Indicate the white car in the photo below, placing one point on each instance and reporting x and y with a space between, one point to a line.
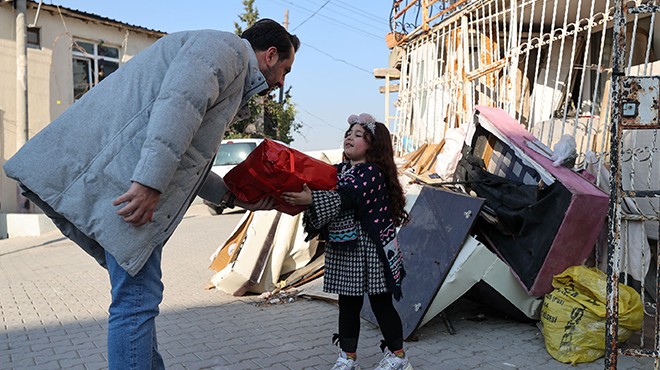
231 153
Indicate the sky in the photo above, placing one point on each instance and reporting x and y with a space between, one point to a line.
332 76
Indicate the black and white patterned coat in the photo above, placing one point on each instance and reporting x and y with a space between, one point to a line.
356 222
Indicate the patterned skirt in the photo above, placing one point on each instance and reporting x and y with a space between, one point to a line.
354 271
348 271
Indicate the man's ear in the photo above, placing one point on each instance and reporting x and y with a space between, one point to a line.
271 56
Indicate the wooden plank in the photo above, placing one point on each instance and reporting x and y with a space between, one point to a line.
413 157
393 73
309 278
302 274
428 156
392 88
430 165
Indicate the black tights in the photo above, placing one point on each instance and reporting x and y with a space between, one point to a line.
386 315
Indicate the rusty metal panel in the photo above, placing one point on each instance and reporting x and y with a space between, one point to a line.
639 101
634 108
614 220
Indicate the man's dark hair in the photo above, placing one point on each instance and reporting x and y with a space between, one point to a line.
266 33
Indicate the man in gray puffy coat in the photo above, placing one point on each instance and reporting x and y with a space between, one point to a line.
117 171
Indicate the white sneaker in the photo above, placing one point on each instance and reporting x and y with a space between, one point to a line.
392 362
345 363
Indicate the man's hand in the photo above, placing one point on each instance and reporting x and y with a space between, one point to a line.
265 204
141 201
303 198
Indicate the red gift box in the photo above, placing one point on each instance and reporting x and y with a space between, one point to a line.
272 168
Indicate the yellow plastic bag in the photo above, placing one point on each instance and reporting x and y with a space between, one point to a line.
573 315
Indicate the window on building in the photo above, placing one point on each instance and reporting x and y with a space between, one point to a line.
92 62
34 37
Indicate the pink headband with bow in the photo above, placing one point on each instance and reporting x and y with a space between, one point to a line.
365 119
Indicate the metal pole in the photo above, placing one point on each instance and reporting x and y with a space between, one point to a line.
286 27
387 102
285 24
613 237
21 90
21 74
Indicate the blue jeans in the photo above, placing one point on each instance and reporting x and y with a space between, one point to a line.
132 340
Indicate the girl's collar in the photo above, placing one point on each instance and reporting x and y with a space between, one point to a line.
348 166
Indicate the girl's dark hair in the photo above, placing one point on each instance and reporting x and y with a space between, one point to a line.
266 33
381 154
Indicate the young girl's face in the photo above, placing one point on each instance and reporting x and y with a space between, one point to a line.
355 145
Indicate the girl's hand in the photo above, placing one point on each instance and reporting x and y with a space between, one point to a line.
303 198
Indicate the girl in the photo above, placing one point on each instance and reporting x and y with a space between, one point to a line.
358 222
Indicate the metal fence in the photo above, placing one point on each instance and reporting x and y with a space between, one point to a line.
560 67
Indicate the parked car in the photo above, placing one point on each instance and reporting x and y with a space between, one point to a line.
231 153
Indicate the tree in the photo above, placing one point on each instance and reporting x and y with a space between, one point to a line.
279 118
268 117
250 17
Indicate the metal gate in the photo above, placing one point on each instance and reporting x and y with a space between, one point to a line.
635 168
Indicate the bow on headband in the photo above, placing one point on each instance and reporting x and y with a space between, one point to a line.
365 119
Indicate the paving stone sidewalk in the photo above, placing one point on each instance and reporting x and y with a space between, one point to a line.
54 298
